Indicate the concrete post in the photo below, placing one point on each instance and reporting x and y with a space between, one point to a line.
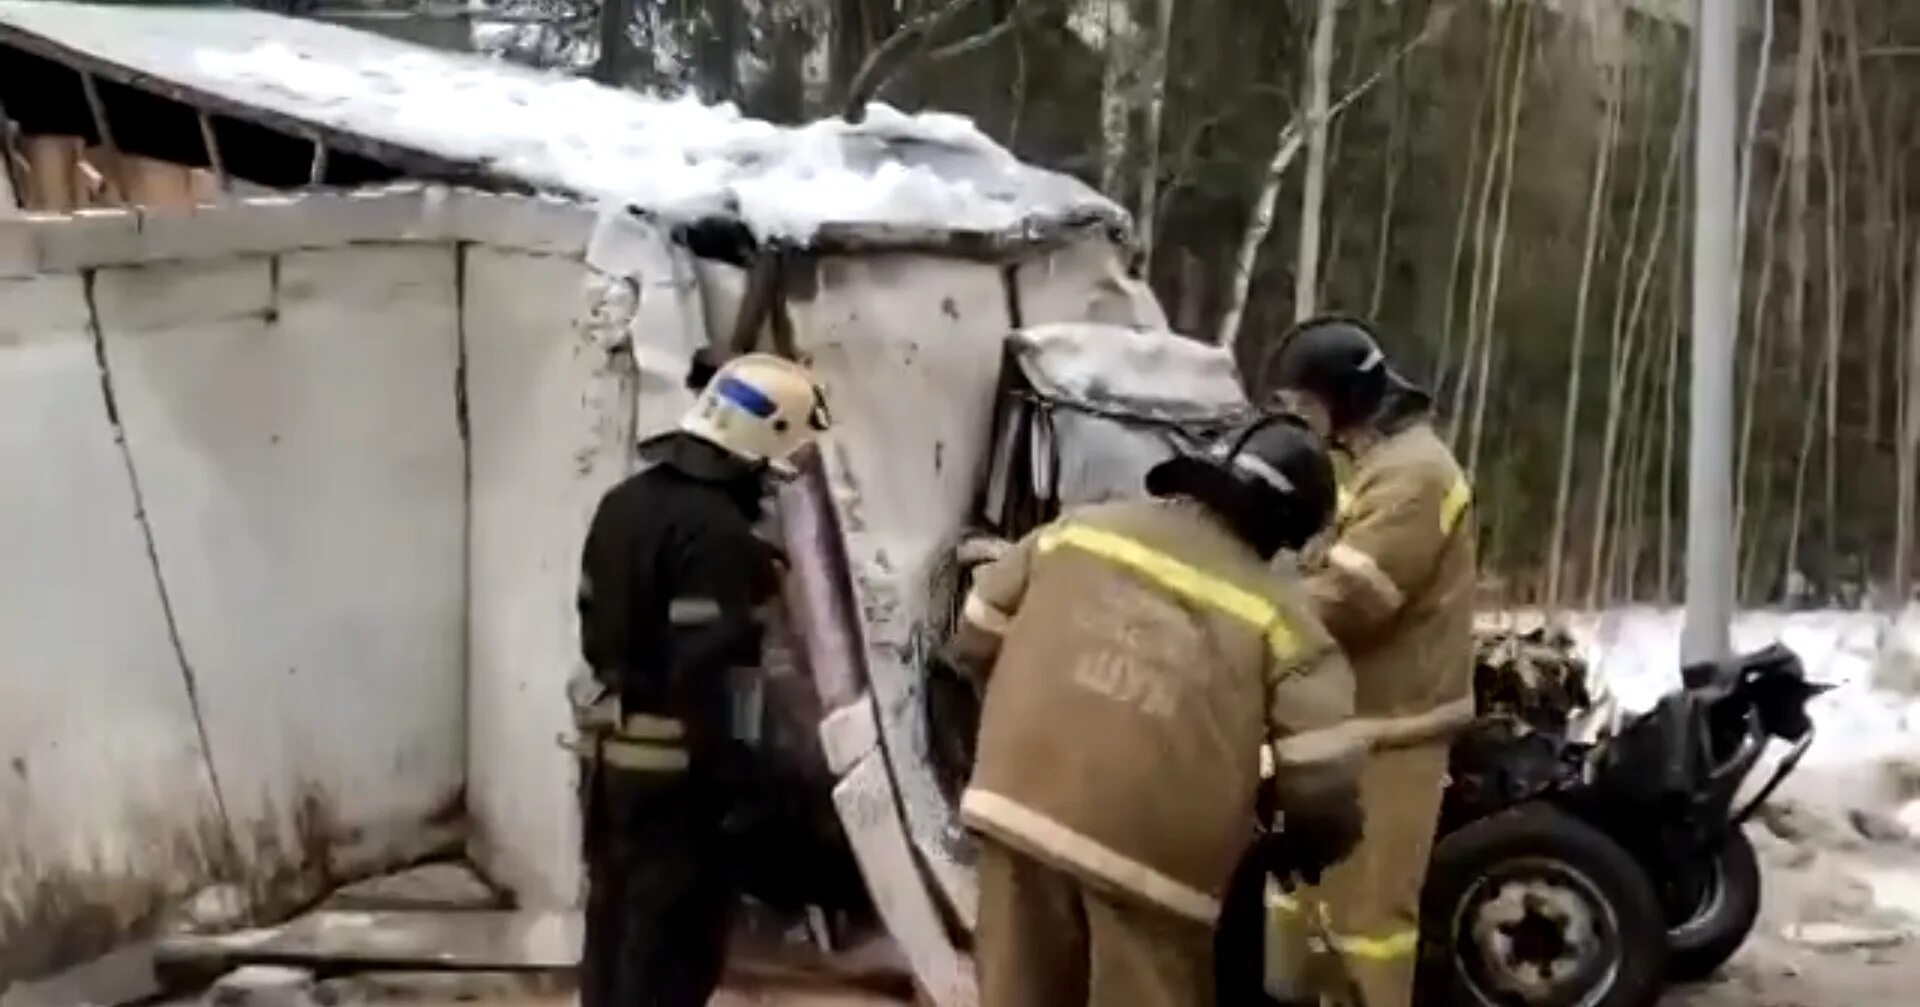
1710 437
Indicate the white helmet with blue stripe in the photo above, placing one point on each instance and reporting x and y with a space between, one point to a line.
759 408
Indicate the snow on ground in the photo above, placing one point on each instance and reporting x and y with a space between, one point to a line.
676 157
1872 659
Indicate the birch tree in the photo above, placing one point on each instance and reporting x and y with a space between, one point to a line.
1306 276
1909 449
1147 214
1516 102
1603 156
1292 138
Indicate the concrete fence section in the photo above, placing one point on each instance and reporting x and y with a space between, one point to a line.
292 425
107 809
236 611
292 492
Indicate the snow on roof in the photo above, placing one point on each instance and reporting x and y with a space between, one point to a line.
1156 375
676 158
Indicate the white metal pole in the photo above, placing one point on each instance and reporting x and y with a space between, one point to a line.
1710 436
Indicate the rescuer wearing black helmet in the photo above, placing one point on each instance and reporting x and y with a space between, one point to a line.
1137 655
1395 587
1333 371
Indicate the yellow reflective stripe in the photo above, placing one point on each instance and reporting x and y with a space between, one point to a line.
1459 495
1181 578
637 756
1342 502
648 727
1399 944
641 757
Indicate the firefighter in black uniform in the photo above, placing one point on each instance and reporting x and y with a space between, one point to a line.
670 580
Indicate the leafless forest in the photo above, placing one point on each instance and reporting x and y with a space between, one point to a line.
1504 184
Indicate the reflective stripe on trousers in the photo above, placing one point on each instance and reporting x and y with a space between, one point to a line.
1391 944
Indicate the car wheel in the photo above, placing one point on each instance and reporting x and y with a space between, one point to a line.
1533 908
1725 905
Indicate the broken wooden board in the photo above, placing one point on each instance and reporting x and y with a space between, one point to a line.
332 943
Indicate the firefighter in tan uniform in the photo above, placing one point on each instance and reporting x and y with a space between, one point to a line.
1141 654
1395 587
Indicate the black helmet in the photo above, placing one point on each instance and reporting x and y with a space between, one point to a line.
1271 480
1340 362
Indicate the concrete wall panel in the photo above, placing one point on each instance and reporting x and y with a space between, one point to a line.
550 391
105 805
292 424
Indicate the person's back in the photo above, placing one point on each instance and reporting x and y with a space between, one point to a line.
1140 672
670 577
665 550
1140 654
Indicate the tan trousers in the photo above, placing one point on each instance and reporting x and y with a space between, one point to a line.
1369 904
1046 940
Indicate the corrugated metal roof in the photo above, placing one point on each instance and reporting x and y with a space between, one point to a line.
467 117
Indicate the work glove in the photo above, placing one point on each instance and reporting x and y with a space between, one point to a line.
1317 822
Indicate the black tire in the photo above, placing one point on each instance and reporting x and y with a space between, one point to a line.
1577 904
1728 907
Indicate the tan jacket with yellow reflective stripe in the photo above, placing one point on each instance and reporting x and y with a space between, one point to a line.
1144 653
1396 586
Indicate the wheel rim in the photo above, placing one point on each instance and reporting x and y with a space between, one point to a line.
1536 933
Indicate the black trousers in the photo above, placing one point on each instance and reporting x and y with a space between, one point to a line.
660 897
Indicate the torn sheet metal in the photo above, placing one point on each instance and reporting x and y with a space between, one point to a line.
868 806
909 350
1149 374
1086 281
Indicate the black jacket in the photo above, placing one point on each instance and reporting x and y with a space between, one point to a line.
670 579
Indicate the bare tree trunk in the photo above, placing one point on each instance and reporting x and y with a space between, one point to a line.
1603 155
1626 332
1800 157
1757 361
1342 200
1292 138
1747 149
901 48
1476 285
616 16
1150 141
1516 103
1836 212
1909 450
1396 160
1798 514
1639 458
1879 200
1116 94
1664 581
1306 274
1489 86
